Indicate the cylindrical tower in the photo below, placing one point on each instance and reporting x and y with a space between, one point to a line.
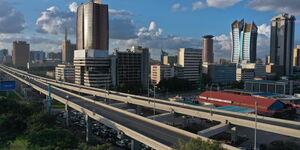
92 26
208 52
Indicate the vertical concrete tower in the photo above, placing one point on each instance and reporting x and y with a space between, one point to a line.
92 26
91 60
208 49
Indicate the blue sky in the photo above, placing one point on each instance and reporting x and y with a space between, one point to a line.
167 24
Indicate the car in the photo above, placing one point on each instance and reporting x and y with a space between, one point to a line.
121 143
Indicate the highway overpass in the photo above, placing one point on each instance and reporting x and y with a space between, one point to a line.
279 126
152 133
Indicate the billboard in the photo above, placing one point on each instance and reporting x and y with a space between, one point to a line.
7 85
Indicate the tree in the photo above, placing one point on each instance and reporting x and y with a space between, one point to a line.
84 146
40 121
11 126
238 85
197 144
52 139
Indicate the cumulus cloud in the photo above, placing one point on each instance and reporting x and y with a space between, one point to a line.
153 38
264 30
11 20
73 7
280 6
198 5
221 3
53 21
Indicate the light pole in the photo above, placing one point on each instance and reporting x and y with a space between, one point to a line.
256 107
154 103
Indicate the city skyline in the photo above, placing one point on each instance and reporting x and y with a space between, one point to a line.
156 29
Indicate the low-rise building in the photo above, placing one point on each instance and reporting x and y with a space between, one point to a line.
65 73
159 72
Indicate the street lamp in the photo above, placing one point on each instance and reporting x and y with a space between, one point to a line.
256 107
154 103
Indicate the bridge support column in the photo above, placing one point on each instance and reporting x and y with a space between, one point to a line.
88 122
67 115
135 145
184 122
233 131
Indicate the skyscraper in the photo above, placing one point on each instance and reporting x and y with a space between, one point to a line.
282 42
92 26
244 39
67 50
208 49
91 60
20 53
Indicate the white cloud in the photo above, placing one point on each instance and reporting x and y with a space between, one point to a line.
121 13
264 30
176 6
73 7
279 6
221 3
152 26
11 20
53 21
198 5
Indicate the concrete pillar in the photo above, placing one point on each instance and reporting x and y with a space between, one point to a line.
233 131
67 115
88 122
184 122
135 145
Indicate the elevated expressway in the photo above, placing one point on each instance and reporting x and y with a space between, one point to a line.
279 126
152 133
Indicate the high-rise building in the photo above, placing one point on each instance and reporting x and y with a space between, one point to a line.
20 53
67 50
282 42
3 53
91 60
222 73
208 49
159 72
37 56
132 67
54 56
191 60
244 39
296 57
92 26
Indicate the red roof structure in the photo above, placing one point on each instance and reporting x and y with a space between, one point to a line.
225 99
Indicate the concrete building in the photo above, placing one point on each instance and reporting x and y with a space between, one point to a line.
269 86
92 26
159 72
3 53
67 50
244 39
222 73
20 53
191 60
91 59
169 60
133 67
296 56
7 60
65 73
164 57
37 56
249 71
208 49
54 56
282 42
